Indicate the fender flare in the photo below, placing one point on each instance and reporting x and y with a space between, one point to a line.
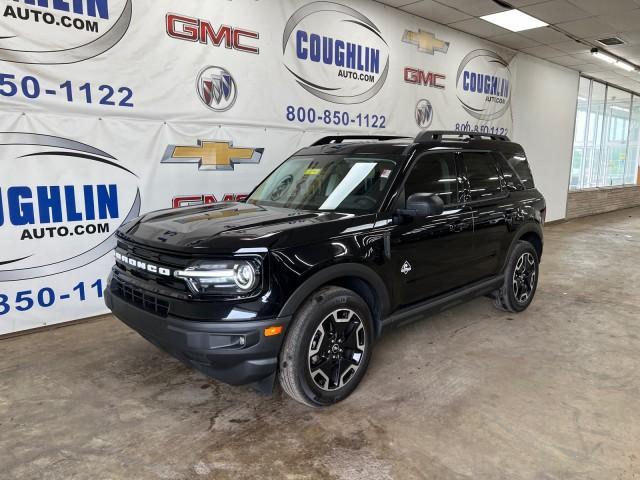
334 272
529 227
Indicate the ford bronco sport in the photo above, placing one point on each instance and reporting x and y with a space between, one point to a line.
345 239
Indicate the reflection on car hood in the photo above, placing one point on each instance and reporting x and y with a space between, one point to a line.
228 227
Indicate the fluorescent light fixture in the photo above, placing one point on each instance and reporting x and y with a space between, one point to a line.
514 20
605 57
625 66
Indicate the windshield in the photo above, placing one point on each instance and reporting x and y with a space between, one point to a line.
327 182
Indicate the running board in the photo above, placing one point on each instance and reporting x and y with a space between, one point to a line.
438 304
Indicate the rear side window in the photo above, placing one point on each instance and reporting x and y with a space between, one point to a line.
434 173
519 164
482 174
511 179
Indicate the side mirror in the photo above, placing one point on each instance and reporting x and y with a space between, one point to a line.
423 205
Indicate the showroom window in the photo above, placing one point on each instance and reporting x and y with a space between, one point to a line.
606 144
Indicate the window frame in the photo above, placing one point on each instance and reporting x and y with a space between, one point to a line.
599 175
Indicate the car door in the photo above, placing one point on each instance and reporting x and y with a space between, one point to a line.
486 194
429 254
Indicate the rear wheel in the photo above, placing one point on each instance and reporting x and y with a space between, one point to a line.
327 348
521 279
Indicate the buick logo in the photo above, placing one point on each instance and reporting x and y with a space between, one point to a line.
217 89
424 113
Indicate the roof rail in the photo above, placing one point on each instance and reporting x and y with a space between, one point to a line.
341 138
434 135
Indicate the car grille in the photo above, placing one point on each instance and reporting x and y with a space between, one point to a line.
177 285
140 298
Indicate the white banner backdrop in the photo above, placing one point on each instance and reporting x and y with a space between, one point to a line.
111 108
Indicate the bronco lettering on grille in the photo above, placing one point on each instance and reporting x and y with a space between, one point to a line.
133 262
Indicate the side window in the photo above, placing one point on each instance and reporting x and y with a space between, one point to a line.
511 179
518 162
483 176
434 173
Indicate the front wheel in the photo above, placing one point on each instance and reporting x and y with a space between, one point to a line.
521 279
327 348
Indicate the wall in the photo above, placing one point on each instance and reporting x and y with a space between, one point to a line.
544 112
601 200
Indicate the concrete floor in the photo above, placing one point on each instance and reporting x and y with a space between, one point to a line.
553 393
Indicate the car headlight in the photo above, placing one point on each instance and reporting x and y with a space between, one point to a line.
222 276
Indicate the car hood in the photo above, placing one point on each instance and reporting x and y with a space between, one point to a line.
229 227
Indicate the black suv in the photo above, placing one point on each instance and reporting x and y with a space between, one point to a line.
343 240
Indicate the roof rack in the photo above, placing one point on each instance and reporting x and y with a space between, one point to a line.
341 138
434 135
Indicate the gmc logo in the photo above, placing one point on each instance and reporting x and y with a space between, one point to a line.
420 77
197 30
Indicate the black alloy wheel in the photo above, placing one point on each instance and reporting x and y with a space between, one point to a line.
336 349
524 277
327 347
520 279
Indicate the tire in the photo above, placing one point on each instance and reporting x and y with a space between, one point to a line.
520 279
317 367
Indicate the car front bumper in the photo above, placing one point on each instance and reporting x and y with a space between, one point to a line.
234 352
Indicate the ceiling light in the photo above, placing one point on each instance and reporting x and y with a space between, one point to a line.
514 20
625 66
605 57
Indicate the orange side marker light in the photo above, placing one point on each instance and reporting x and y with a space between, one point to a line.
273 331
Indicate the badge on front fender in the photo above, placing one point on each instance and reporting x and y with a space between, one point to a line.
406 268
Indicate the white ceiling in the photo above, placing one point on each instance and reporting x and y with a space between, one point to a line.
586 20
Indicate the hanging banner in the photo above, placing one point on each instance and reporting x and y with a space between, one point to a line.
113 108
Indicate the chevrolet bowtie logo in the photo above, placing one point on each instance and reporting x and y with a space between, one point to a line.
212 155
426 42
